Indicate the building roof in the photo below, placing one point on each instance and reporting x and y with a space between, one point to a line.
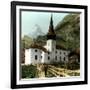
38 47
51 34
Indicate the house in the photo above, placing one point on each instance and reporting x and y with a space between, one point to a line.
51 52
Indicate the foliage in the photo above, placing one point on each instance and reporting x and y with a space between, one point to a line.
73 65
26 41
69 30
73 74
69 65
29 71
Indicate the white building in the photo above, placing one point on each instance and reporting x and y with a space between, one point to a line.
49 53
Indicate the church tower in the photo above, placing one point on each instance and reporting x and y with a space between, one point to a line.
51 37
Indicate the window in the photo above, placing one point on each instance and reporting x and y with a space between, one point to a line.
48 52
56 57
64 58
48 57
35 50
56 51
60 52
64 53
36 57
41 56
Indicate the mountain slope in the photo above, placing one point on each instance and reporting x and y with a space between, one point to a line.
67 33
69 30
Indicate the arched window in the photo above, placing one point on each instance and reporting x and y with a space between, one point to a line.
64 58
56 57
48 58
64 53
60 52
36 57
48 52
56 51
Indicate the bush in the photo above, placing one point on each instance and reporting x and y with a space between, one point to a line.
73 66
29 71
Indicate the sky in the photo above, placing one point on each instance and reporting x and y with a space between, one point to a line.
31 20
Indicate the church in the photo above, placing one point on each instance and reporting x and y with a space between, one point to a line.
49 53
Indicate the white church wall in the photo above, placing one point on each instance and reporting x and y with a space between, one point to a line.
51 45
42 57
32 56
52 56
62 55
57 55
27 57
35 55
45 58
49 57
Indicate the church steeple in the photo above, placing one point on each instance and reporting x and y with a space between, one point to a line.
51 34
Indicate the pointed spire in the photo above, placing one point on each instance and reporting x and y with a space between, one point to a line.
51 34
51 23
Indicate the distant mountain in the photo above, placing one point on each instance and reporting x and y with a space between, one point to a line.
36 31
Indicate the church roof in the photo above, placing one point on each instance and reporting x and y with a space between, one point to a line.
38 47
51 34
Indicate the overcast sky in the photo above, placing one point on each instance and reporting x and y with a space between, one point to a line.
31 19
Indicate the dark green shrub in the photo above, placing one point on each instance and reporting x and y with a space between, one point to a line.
73 66
29 71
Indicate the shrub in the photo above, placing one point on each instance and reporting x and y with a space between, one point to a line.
73 66
29 71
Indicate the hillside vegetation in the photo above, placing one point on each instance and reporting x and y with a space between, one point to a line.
67 31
